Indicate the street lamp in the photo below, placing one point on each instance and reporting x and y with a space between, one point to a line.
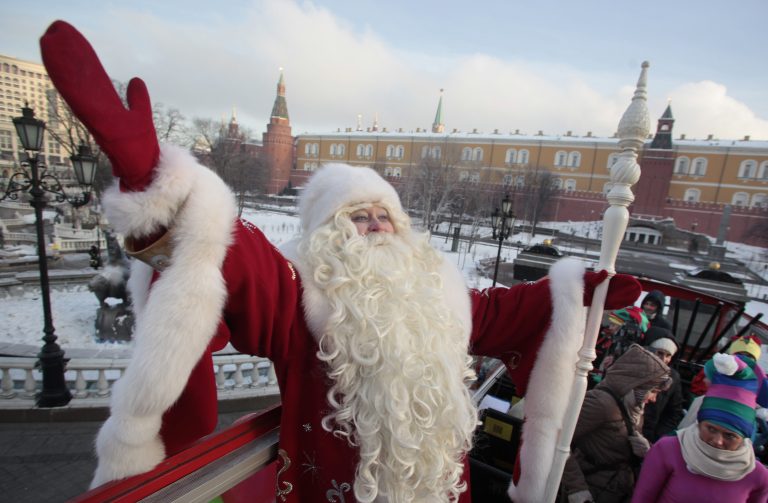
36 182
501 230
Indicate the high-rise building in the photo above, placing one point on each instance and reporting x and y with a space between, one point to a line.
21 83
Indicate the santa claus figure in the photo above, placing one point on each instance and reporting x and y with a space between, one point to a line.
370 330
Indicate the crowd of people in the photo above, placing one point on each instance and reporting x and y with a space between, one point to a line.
642 437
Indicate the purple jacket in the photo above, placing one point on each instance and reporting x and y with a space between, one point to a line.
665 479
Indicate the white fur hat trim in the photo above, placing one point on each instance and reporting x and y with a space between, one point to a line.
665 344
335 186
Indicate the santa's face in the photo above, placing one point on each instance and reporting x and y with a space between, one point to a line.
372 219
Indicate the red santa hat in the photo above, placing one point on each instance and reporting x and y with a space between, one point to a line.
335 186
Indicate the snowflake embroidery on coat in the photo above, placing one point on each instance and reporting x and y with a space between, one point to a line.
310 466
287 486
307 427
337 492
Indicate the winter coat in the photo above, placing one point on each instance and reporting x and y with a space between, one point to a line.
657 297
602 458
662 417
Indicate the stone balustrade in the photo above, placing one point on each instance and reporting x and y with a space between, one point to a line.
91 379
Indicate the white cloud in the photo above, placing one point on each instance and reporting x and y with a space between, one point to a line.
703 108
204 66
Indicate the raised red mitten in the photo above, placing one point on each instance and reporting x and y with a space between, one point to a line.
126 136
623 290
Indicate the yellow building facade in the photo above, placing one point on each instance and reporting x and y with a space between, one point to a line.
705 171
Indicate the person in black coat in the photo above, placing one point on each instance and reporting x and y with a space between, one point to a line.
653 305
662 417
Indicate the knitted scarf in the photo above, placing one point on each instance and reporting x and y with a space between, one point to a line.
703 459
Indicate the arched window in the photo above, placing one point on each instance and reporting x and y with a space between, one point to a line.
315 149
740 199
557 183
477 154
390 151
570 184
522 157
511 155
466 154
340 149
507 180
425 151
681 165
699 166
400 152
436 152
360 151
474 178
520 181
368 150
692 195
308 149
760 201
333 150
574 159
747 169
763 172
561 157
396 172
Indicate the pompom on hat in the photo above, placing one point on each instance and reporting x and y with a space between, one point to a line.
748 344
732 395
335 186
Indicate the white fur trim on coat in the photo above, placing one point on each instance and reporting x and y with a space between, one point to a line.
178 316
551 380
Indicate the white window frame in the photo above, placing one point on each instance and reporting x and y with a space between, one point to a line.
466 154
747 168
692 195
561 158
682 165
740 199
574 159
570 185
699 166
759 200
477 154
522 156
510 156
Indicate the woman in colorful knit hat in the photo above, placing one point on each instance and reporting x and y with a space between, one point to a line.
712 458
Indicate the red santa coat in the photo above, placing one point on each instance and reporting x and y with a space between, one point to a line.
224 282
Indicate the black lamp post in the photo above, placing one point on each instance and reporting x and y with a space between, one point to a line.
501 229
36 182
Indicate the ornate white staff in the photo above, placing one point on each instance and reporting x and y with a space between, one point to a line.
633 130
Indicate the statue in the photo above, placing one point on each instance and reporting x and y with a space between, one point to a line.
114 320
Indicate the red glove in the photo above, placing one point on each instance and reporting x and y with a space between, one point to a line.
126 136
623 290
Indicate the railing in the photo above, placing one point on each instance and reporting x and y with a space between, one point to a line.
92 378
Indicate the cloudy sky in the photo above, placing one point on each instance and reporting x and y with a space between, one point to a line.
554 66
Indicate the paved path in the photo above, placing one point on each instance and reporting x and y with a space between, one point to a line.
52 462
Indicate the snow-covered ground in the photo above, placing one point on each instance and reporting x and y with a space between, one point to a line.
74 310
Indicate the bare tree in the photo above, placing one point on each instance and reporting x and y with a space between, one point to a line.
537 193
228 152
170 125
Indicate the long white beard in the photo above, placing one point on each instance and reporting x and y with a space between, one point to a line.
398 359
